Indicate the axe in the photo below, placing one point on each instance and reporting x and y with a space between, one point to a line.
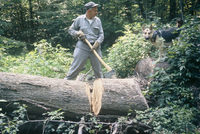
111 72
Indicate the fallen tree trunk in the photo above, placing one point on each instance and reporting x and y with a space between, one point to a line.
119 96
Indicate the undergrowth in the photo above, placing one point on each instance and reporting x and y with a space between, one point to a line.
44 60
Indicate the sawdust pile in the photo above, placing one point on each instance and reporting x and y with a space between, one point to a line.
94 93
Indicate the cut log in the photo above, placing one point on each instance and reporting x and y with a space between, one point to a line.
145 68
119 96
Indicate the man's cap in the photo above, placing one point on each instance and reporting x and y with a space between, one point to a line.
90 5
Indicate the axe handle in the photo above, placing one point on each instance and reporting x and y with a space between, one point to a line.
98 57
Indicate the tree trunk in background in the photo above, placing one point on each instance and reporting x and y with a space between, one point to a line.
18 18
192 8
22 17
181 8
119 96
153 2
197 5
141 7
128 5
31 26
172 13
31 13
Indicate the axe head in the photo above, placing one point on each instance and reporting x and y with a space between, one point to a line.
111 74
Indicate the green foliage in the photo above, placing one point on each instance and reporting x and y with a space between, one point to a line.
48 126
127 51
179 83
45 60
91 124
14 17
55 18
175 91
166 91
169 120
11 46
10 124
66 128
33 20
54 115
184 56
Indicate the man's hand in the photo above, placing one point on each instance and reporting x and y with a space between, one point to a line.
96 44
81 35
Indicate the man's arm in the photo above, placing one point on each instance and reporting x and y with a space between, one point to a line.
101 33
100 38
73 29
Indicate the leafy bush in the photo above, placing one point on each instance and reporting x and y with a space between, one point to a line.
10 124
168 120
178 83
176 89
12 46
184 57
127 51
45 60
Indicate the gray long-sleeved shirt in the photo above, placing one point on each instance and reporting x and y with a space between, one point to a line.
93 32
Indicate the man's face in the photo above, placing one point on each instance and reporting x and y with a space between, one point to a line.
94 11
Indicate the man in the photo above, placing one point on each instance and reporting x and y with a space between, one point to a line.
89 27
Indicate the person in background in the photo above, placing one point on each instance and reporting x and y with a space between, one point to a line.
87 26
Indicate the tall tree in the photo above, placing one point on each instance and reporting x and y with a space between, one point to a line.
128 6
172 13
141 7
181 8
153 2
31 13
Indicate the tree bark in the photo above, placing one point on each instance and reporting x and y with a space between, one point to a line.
153 2
31 13
141 7
181 8
172 13
119 96
128 5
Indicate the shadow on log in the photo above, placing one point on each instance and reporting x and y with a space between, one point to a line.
119 96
